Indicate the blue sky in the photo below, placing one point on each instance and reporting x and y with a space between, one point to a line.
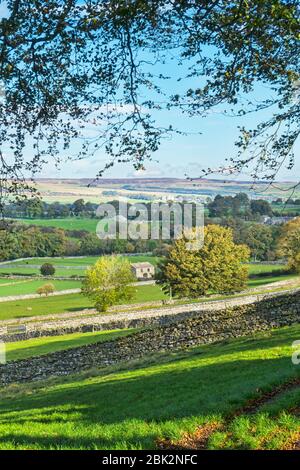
178 155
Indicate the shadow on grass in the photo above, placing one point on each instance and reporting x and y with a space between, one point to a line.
127 406
59 344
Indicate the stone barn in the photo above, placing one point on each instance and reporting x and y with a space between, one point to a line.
143 270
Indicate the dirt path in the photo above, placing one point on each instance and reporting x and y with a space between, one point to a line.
199 439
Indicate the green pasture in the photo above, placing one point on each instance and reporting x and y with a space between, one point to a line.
162 397
69 223
9 287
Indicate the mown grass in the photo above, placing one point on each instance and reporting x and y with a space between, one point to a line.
161 397
257 268
262 281
45 345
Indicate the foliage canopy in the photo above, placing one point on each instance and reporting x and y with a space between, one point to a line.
68 64
108 282
216 267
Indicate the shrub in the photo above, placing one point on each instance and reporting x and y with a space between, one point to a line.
47 269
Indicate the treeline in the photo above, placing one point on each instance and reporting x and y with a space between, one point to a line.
35 208
221 206
23 241
239 206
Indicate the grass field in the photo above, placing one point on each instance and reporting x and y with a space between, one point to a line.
40 346
9 287
286 209
67 303
70 223
257 269
162 397
76 302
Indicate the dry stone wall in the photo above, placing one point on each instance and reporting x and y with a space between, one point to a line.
201 328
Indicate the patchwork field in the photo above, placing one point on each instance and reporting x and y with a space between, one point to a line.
132 408
68 267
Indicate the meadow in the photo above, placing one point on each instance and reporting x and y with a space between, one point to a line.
162 397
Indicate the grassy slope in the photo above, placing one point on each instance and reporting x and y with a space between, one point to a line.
129 409
39 346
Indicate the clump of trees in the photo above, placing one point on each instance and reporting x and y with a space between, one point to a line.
239 206
47 269
216 267
289 244
109 282
46 289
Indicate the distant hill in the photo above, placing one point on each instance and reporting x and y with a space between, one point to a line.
150 188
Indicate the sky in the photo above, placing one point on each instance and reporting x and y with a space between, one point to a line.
209 142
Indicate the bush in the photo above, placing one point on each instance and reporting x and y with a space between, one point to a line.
46 289
47 269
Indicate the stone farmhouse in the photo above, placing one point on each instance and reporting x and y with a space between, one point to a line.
143 270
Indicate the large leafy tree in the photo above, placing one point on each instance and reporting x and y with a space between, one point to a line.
216 267
66 64
289 244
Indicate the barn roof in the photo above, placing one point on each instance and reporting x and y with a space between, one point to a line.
142 265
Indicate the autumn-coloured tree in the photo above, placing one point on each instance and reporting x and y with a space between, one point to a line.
216 267
289 244
46 289
109 282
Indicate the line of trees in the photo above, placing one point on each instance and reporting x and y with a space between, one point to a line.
239 205
25 241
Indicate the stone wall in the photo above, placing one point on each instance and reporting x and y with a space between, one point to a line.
203 327
88 321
